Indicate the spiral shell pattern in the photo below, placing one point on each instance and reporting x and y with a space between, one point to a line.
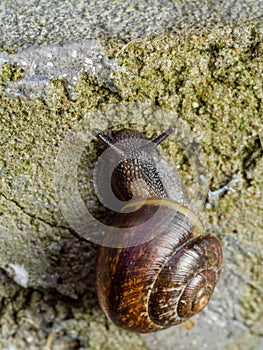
164 281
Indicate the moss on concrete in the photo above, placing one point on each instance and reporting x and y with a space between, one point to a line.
213 80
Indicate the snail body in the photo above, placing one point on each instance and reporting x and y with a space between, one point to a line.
146 286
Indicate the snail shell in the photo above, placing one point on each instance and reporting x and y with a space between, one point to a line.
150 286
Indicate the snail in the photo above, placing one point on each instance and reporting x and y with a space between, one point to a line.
151 284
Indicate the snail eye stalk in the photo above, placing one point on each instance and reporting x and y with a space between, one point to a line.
148 286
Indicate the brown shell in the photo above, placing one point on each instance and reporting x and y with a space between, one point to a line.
163 282
163 269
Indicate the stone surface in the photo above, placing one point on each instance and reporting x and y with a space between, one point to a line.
198 59
33 22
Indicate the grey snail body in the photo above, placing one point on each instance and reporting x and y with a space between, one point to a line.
150 286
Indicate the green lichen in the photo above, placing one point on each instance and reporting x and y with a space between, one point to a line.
213 80
10 73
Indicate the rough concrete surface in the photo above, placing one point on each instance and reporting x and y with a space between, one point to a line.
70 66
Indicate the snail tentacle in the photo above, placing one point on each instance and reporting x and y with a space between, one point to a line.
169 276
